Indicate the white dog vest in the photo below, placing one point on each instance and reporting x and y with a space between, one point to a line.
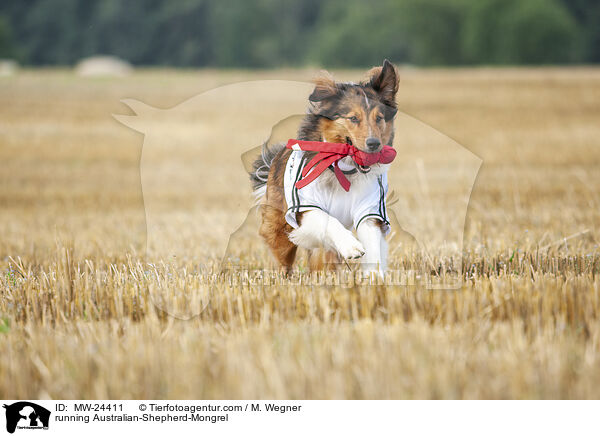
363 200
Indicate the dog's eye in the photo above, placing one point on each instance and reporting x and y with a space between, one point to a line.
378 119
355 120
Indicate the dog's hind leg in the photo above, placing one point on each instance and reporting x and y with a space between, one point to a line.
322 259
274 229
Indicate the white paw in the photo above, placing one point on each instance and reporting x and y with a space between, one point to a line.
349 247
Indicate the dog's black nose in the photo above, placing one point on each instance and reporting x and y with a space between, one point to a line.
373 144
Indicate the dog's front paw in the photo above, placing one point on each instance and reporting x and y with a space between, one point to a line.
349 247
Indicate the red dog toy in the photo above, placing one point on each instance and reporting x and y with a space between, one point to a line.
330 153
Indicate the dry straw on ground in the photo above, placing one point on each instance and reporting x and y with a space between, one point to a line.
80 302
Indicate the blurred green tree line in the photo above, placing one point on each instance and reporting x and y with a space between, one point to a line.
275 33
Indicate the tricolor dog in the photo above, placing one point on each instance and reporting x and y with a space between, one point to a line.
331 179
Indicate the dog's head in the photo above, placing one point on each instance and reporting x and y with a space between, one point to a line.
360 114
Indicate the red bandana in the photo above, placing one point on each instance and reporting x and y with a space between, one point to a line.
330 153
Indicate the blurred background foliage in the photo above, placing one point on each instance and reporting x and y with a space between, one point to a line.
279 33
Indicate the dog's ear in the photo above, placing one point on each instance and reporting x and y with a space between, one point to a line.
325 87
384 80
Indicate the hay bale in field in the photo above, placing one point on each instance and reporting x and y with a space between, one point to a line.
8 67
107 66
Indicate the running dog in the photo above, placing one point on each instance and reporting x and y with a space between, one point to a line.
319 211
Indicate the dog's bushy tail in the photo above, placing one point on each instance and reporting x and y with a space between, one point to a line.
261 167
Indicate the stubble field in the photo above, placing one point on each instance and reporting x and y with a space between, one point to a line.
86 312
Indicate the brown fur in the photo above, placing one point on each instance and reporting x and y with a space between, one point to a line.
322 259
274 228
348 113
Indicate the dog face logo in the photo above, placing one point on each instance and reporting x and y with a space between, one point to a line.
26 415
192 152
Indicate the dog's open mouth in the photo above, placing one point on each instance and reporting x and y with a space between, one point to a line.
362 168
